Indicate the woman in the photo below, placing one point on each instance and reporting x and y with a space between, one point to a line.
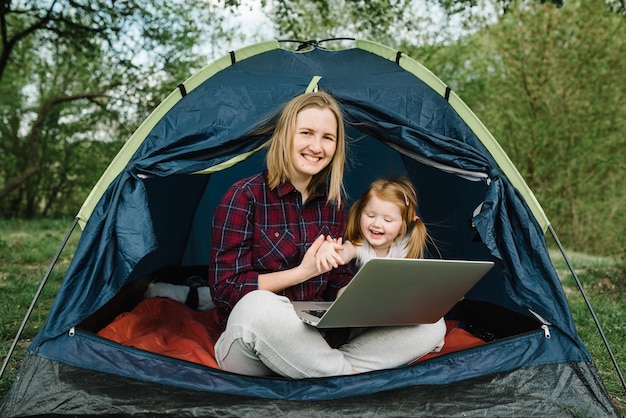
266 233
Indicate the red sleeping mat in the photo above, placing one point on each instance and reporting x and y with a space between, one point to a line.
170 328
167 327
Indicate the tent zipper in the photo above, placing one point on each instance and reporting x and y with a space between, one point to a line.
544 324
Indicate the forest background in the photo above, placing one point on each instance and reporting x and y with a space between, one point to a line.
546 78
77 77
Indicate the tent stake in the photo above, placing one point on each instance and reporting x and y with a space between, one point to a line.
593 314
37 295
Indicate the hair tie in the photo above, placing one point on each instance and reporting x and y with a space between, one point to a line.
416 218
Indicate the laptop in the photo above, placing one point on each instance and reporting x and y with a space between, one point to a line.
396 291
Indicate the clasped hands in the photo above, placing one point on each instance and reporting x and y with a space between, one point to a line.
328 254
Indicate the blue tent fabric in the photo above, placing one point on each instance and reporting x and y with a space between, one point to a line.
383 104
532 349
518 243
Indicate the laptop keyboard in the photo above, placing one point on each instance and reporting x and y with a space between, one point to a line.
316 312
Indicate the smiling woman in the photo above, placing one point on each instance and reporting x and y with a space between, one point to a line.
314 145
275 222
301 124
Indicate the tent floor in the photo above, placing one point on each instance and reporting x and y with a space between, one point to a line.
47 388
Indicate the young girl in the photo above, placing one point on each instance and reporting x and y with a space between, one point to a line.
382 223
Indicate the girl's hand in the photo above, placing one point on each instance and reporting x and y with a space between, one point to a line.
327 256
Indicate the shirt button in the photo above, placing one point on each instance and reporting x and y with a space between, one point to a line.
276 234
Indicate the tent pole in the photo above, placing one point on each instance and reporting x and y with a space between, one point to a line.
593 314
37 295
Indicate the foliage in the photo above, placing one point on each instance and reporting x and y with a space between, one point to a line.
503 6
294 18
548 83
385 21
72 72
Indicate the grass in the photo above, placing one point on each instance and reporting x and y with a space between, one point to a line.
26 251
604 281
28 247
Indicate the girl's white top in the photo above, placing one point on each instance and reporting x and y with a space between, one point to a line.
365 251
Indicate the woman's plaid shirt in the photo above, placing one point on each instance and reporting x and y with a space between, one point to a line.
256 230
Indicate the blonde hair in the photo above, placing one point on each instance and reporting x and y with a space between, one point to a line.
279 161
400 191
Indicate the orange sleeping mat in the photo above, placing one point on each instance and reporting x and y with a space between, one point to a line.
170 328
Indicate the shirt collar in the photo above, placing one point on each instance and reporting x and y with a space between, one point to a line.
287 187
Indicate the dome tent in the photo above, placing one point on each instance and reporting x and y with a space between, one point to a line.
152 206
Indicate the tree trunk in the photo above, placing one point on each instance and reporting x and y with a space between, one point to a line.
18 181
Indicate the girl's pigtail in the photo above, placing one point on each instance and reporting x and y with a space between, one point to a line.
418 237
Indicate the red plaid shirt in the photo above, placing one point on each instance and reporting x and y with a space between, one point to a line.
257 230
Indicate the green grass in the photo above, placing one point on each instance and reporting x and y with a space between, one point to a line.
604 281
28 247
26 251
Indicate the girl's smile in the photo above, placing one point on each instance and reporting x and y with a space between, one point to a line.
380 224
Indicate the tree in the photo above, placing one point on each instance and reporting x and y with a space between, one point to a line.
384 21
502 6
548 83
79 70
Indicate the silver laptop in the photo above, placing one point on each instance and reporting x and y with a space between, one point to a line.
396 291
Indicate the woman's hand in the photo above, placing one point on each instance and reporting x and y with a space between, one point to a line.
309 262
307 269
327 256
280 280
